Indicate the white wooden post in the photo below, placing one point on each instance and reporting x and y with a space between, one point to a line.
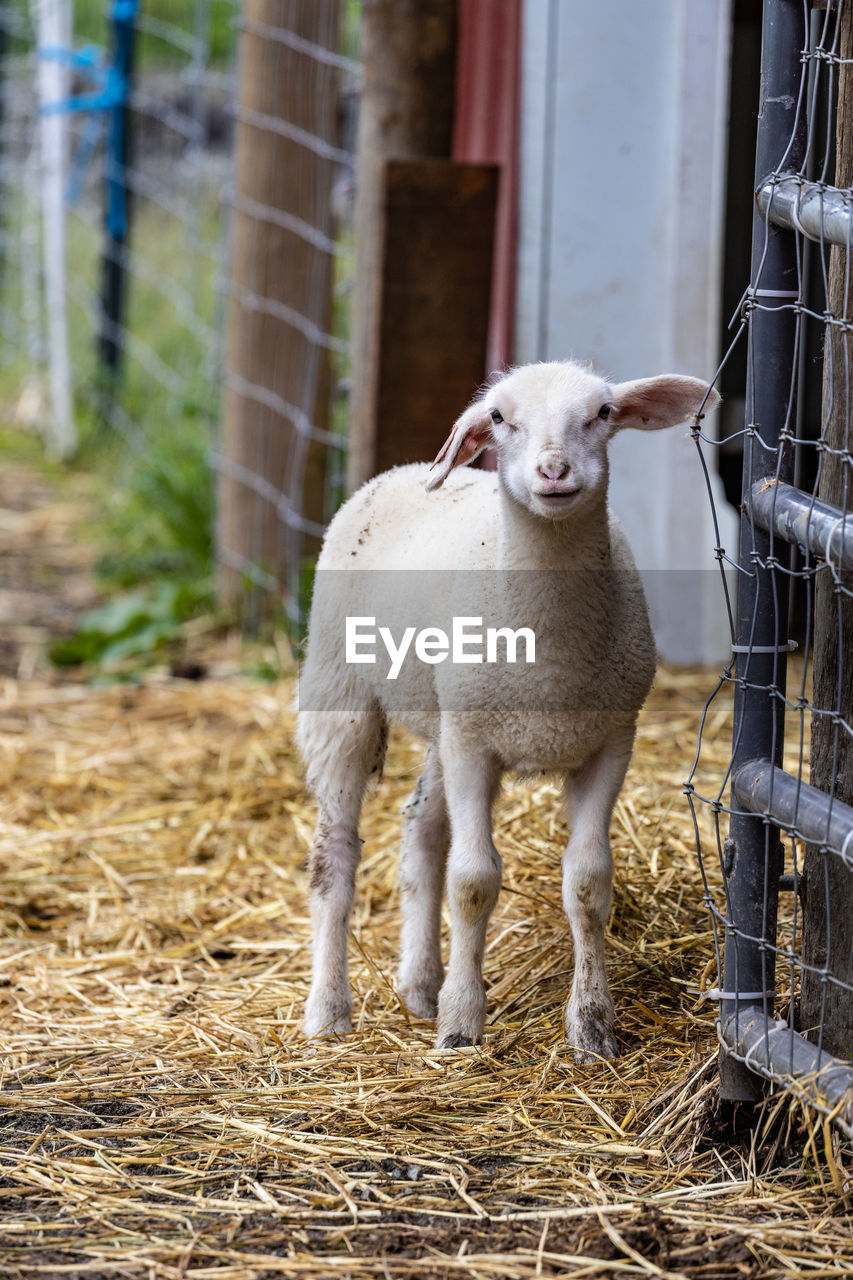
54 28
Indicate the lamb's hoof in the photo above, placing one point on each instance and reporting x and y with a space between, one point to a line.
590 1034
420 996
420 1002
461 1015
608 1050
326 1019
457 1041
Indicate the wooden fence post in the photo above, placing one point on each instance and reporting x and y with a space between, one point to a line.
278 371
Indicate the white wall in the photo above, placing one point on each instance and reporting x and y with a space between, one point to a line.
622 173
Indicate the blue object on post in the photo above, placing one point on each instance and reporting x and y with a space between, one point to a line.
109 97
123 18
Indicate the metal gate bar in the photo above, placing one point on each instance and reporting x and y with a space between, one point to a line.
824 214
798 517
754 861
761 787
771 1049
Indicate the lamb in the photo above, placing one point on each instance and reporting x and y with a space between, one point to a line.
532 544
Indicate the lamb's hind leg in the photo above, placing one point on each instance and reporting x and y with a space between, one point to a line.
422 861
588 897
342 751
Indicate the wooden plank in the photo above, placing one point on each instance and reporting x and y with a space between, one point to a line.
438 220
406 110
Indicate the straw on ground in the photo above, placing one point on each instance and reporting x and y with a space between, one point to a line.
162 1116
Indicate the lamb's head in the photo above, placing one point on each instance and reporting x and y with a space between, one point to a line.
551 424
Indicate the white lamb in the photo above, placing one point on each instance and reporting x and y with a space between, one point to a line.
530 545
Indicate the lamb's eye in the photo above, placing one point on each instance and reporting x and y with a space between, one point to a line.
497 416
604 411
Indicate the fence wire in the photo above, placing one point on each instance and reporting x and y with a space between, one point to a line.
226 294
789 972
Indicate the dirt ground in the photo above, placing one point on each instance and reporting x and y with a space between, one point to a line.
160 1114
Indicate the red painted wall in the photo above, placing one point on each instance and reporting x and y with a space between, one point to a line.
488 85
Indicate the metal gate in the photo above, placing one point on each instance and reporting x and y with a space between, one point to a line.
780 882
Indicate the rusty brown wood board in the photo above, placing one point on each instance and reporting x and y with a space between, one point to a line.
438 222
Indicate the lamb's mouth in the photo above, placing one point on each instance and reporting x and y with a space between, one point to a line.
557 497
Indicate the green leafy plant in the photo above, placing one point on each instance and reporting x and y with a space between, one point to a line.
161 518
160 524
131 625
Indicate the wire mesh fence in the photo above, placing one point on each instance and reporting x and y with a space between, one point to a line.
775 832
175 203
113 243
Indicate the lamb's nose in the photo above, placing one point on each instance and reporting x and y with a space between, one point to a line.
553 470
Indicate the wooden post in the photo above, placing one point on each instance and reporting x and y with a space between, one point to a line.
828 885
278 365
408 49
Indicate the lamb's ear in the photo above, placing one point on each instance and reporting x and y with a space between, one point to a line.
469 437
653 403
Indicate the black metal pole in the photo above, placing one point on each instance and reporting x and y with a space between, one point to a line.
117 214
754 851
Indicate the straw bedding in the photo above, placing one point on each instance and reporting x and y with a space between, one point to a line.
160 1115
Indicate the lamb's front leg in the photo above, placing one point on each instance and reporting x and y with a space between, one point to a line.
473 883
588 897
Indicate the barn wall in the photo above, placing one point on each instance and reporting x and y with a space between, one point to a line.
623 142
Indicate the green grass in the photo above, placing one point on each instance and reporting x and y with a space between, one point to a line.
155 487
160 501
91 26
